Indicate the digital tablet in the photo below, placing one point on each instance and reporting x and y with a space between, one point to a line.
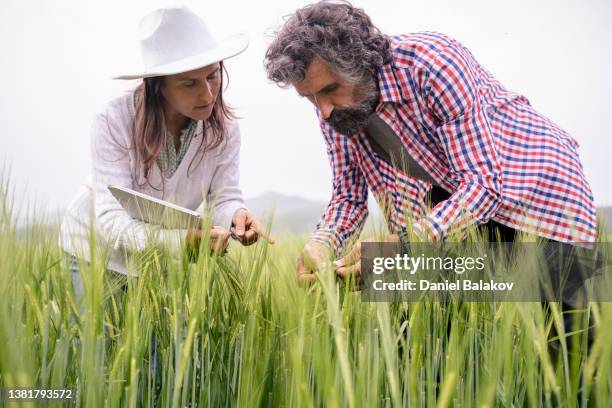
155 211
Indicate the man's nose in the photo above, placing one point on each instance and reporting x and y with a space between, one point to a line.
325 108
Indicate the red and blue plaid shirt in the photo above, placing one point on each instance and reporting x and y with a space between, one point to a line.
486 145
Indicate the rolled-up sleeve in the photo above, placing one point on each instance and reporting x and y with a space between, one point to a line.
347 210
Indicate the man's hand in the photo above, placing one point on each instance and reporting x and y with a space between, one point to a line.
219 240
246 228
315 257
351 263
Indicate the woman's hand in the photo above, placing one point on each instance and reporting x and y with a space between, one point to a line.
246 228
219 240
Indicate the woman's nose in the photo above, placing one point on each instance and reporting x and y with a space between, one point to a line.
206 93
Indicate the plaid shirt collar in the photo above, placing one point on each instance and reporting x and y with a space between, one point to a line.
388 87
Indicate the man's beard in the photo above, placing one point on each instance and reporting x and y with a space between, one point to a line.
351 120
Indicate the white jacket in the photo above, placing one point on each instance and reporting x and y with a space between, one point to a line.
213 180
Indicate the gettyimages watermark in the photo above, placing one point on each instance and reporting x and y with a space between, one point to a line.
485 272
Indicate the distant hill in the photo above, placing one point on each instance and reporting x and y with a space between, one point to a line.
290 214
295 214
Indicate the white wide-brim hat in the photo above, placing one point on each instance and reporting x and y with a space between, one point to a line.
175 39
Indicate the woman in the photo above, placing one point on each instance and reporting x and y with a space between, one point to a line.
173 137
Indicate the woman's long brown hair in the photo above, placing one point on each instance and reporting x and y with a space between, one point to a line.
150 125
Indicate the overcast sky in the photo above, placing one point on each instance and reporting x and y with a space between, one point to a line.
57 57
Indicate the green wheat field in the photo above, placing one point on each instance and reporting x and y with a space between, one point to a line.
239 331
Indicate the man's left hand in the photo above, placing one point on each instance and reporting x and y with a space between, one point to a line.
351 263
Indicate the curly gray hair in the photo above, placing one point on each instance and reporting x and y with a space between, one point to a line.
341 35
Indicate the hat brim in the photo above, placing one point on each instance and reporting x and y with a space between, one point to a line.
227 48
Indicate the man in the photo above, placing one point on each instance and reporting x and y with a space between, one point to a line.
481 152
